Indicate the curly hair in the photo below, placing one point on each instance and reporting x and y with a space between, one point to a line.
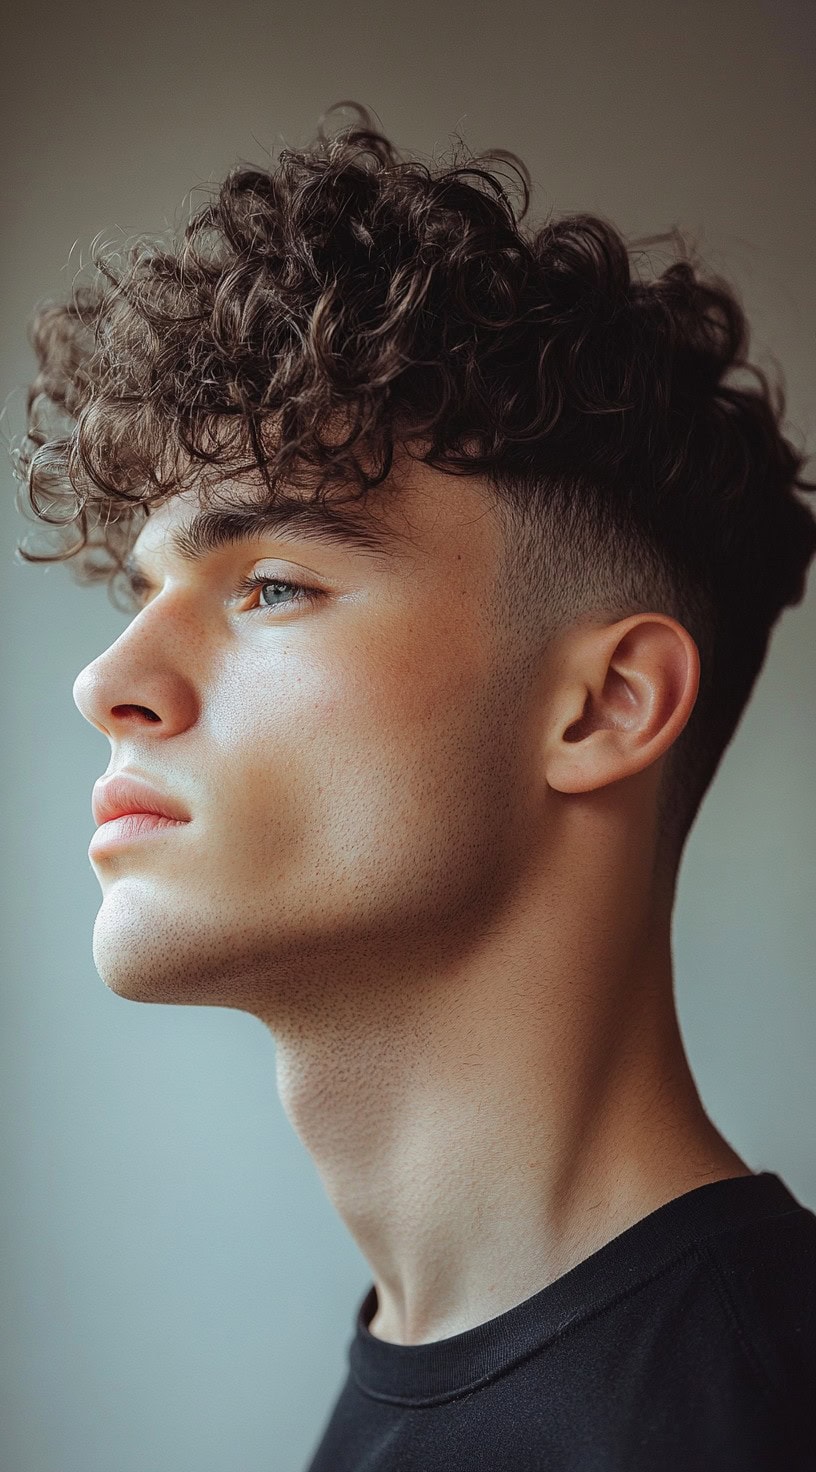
406 304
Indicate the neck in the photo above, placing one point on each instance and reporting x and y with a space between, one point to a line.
483 1129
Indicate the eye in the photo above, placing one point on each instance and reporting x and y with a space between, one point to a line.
299 591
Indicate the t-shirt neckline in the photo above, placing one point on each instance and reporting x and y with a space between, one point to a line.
420 1374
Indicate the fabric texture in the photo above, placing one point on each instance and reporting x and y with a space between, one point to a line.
686 1342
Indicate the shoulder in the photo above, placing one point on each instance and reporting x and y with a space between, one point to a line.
764 1274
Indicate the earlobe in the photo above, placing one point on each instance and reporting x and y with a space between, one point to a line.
627 691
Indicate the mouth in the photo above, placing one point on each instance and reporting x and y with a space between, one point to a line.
130 828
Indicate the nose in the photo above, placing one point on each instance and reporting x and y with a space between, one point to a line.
134 685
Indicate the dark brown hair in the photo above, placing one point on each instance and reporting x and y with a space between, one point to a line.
636 457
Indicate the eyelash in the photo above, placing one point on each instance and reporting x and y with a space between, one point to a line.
255 580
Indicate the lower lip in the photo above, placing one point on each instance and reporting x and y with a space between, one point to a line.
129 827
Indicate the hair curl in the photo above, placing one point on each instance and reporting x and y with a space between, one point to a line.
405 304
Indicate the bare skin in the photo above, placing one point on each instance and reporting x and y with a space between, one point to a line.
433 880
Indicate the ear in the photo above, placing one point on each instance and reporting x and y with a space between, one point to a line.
623 694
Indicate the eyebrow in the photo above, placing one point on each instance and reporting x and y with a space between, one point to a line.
315 521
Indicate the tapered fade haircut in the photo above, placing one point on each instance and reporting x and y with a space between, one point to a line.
348 301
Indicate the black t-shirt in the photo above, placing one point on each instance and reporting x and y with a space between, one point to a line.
687 1342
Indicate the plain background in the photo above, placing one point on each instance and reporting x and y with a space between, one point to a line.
178 1293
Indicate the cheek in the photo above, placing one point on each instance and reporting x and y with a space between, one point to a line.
340 751
366 692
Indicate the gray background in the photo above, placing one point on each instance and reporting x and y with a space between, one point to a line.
177 1293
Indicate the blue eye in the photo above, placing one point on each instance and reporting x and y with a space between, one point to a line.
302 594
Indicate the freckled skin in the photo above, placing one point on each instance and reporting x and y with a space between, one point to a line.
431 875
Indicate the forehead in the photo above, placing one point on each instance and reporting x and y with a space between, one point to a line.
418 512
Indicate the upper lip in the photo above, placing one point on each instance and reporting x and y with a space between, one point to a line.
115 795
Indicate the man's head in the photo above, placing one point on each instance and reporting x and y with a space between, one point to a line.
574 535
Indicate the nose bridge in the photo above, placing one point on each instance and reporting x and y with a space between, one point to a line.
93 671
93 683
88 685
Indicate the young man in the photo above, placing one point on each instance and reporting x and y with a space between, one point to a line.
455 553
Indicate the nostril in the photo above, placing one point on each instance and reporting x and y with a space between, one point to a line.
123 710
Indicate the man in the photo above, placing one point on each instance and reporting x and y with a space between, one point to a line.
455 553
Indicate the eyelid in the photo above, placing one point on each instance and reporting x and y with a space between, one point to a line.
291 569
285 572
141 588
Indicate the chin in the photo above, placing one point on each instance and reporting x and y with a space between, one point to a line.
146 951
128 965
140 951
